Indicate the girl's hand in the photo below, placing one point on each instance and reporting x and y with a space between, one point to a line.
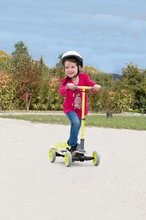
70 85
97 87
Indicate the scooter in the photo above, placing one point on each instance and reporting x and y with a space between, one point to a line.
61 150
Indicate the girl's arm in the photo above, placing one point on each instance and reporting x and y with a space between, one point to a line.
88 81
92 83
62 90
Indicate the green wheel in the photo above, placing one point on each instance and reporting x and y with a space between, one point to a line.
96 158
68 159
52 155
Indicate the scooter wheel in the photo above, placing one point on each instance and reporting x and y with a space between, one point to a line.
68 159
96 158
52 155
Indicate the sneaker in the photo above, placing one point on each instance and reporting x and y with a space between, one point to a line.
80 149
72 149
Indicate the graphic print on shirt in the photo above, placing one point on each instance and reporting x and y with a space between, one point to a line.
77 101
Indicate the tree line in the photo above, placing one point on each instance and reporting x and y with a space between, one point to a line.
28 84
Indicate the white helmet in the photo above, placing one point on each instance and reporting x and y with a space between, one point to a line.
74 54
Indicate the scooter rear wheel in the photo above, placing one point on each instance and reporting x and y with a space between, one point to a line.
96 158
68 159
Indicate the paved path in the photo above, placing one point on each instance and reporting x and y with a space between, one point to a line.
31 188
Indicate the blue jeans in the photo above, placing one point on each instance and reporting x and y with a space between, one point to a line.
74 129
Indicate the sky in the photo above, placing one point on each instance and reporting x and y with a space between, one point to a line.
109 34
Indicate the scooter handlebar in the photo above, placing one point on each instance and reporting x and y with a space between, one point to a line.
84 87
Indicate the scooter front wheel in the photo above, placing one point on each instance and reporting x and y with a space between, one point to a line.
52 155
96 158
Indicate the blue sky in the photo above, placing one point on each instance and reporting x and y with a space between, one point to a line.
107 33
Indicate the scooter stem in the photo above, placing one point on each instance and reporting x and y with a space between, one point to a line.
83 114
83 89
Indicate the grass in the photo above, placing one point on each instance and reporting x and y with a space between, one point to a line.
120 122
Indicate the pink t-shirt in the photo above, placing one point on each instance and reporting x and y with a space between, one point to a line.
73 99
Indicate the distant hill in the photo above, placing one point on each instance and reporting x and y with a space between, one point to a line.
116 76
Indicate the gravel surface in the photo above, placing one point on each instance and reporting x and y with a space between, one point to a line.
32 188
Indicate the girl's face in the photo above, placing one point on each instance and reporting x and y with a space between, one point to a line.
71 68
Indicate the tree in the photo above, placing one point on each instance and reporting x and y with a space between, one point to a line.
20 50
40 98
3 56
55 76
133 80
59 64
26 72
7 91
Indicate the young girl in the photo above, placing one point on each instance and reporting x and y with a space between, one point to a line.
72 104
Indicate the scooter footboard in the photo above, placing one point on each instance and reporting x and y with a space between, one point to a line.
81 158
